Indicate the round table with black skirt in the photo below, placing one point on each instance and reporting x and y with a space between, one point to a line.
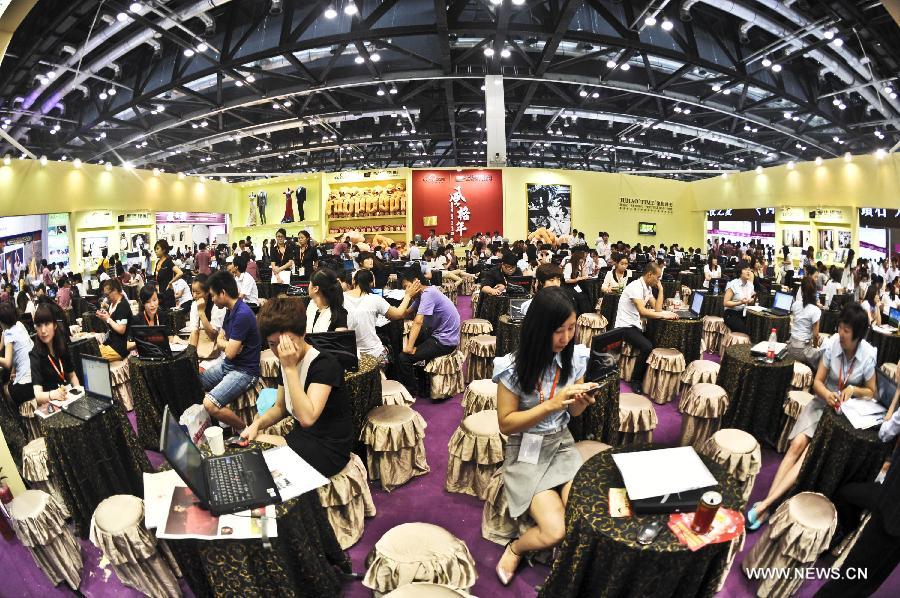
508 334
610 308
756 392
305 558
156 383
714 305
683 335
391 336
670 287
13 429
177 320
591 289
828 321
91 323
888 346
600 556
93 460
599 421
364 391
839 454
131 291
760 325
491 307
690 279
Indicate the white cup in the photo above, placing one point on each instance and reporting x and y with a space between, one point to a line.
214 439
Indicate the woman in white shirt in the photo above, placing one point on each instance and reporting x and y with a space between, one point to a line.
872 304
182 292
738 295
804 341
17 345
848 278
711 270
890 297
616 279
205 316
325 312
364 307
831 287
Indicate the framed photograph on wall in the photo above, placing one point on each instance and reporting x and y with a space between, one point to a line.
550 207
844 239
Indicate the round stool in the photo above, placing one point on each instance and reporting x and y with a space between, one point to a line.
347 501
589 448
637 419
476 293
476 452
480 395
702 408
121 383
697 371
713 330
803 376
426 590
468 287
889 369
117 529
446 375
472 328
31 419
38 522
451 290
419 552
794 403
627 360
482 349
135 307
798 532
407 326
664 368
245 405
496 524
394 436
36 471
394 393
270 368
733 338
587 326
738 452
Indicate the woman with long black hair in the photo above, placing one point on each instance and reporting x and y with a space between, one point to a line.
149 314
51 364
166 273
325 312
539 389
205 317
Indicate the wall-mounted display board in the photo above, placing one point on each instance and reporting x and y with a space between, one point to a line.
458 203
549 207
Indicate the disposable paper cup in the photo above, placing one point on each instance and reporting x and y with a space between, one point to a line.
214 439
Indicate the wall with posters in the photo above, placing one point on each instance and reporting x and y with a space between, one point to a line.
462 201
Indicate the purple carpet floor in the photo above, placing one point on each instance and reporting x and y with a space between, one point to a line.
422 499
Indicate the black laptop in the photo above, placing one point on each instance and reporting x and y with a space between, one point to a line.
152 342
887 388
696 307
225 484
340 343
677 502
781 304
98 395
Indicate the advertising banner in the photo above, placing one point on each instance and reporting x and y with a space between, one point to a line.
461 203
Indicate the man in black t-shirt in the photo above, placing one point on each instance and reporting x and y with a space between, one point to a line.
495 280
117 316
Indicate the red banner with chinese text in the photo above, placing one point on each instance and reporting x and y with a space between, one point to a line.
464 202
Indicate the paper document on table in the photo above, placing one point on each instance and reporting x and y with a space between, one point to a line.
756 308
291 473
863 414
158 489
185 518
648 474
884 328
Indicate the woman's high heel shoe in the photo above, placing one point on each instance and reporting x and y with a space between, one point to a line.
503 576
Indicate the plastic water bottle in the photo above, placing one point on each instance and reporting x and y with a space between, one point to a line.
715 288
677 298
773 340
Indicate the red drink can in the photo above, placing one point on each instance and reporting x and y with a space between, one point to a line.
706 512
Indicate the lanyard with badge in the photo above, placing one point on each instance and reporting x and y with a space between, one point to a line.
530 449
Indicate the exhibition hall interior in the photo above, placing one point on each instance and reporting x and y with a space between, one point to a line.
447 298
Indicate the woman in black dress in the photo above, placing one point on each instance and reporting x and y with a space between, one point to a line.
311 391
51 364
149 315
283 255
166 273
306 254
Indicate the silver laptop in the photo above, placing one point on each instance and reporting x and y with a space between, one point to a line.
781 305
696 307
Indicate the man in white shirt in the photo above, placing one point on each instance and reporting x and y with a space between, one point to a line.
415 253
633 305
602 246
246 285
739 294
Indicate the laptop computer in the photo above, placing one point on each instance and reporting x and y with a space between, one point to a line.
516 313
894 317
693 313
781 304
152 342
98 395
678 502
887 388
340 343
225 484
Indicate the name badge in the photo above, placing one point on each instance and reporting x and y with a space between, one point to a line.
530 449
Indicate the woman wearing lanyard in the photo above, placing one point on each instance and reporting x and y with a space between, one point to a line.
51 365
282 258
149 314
166 273
846 370
616 279
306 254
325 312
538 390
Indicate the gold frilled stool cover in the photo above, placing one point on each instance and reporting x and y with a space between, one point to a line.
798 532
37 472
451 290
480 395
121 383
117 529
30 419
637 419
476 452
496 524
664 368
347 501
427 590
702 408
394 393
889 369
733 338
245 405
697 371
468 287
39 524
446 375
270 367
714 329
803 376
472 328
738 452
588 325
135 307
482 349
419 552
395 437
794 403
627 359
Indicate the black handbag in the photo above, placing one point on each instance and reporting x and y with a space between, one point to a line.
341 344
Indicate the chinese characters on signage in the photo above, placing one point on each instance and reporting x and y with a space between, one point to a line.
653 206
459 212
879 217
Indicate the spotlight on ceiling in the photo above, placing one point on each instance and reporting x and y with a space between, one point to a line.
188 52
350 9
650 21
330 12
667 25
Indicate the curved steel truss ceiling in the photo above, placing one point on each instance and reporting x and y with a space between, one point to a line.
239 86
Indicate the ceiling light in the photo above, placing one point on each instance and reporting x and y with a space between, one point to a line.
202 47
51 75
350 9
829 34
188 52
121 17
583 93
478 129
796 118
238 83
505 53
625 66
111 92
203 123
746 127
102 95
595 95
842 106
776 68
374 57
107 166
392 90
879 154
818 160
43 160
518 2
488 51
759 170
359 59
687 111
717 87
135 7
787 115
610 64
7 160
380 91
887 89
766 62
726 92
156 172
330 12
893 95
250 78
837 42
650 21
667 25
53 131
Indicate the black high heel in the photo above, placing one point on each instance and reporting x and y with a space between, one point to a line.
506 578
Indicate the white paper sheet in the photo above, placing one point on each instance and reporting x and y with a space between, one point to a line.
158 496
663 471
763 348
862 413
291 473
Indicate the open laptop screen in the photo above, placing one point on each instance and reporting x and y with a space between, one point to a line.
697 302
96 377
887 388
783 301
184 457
